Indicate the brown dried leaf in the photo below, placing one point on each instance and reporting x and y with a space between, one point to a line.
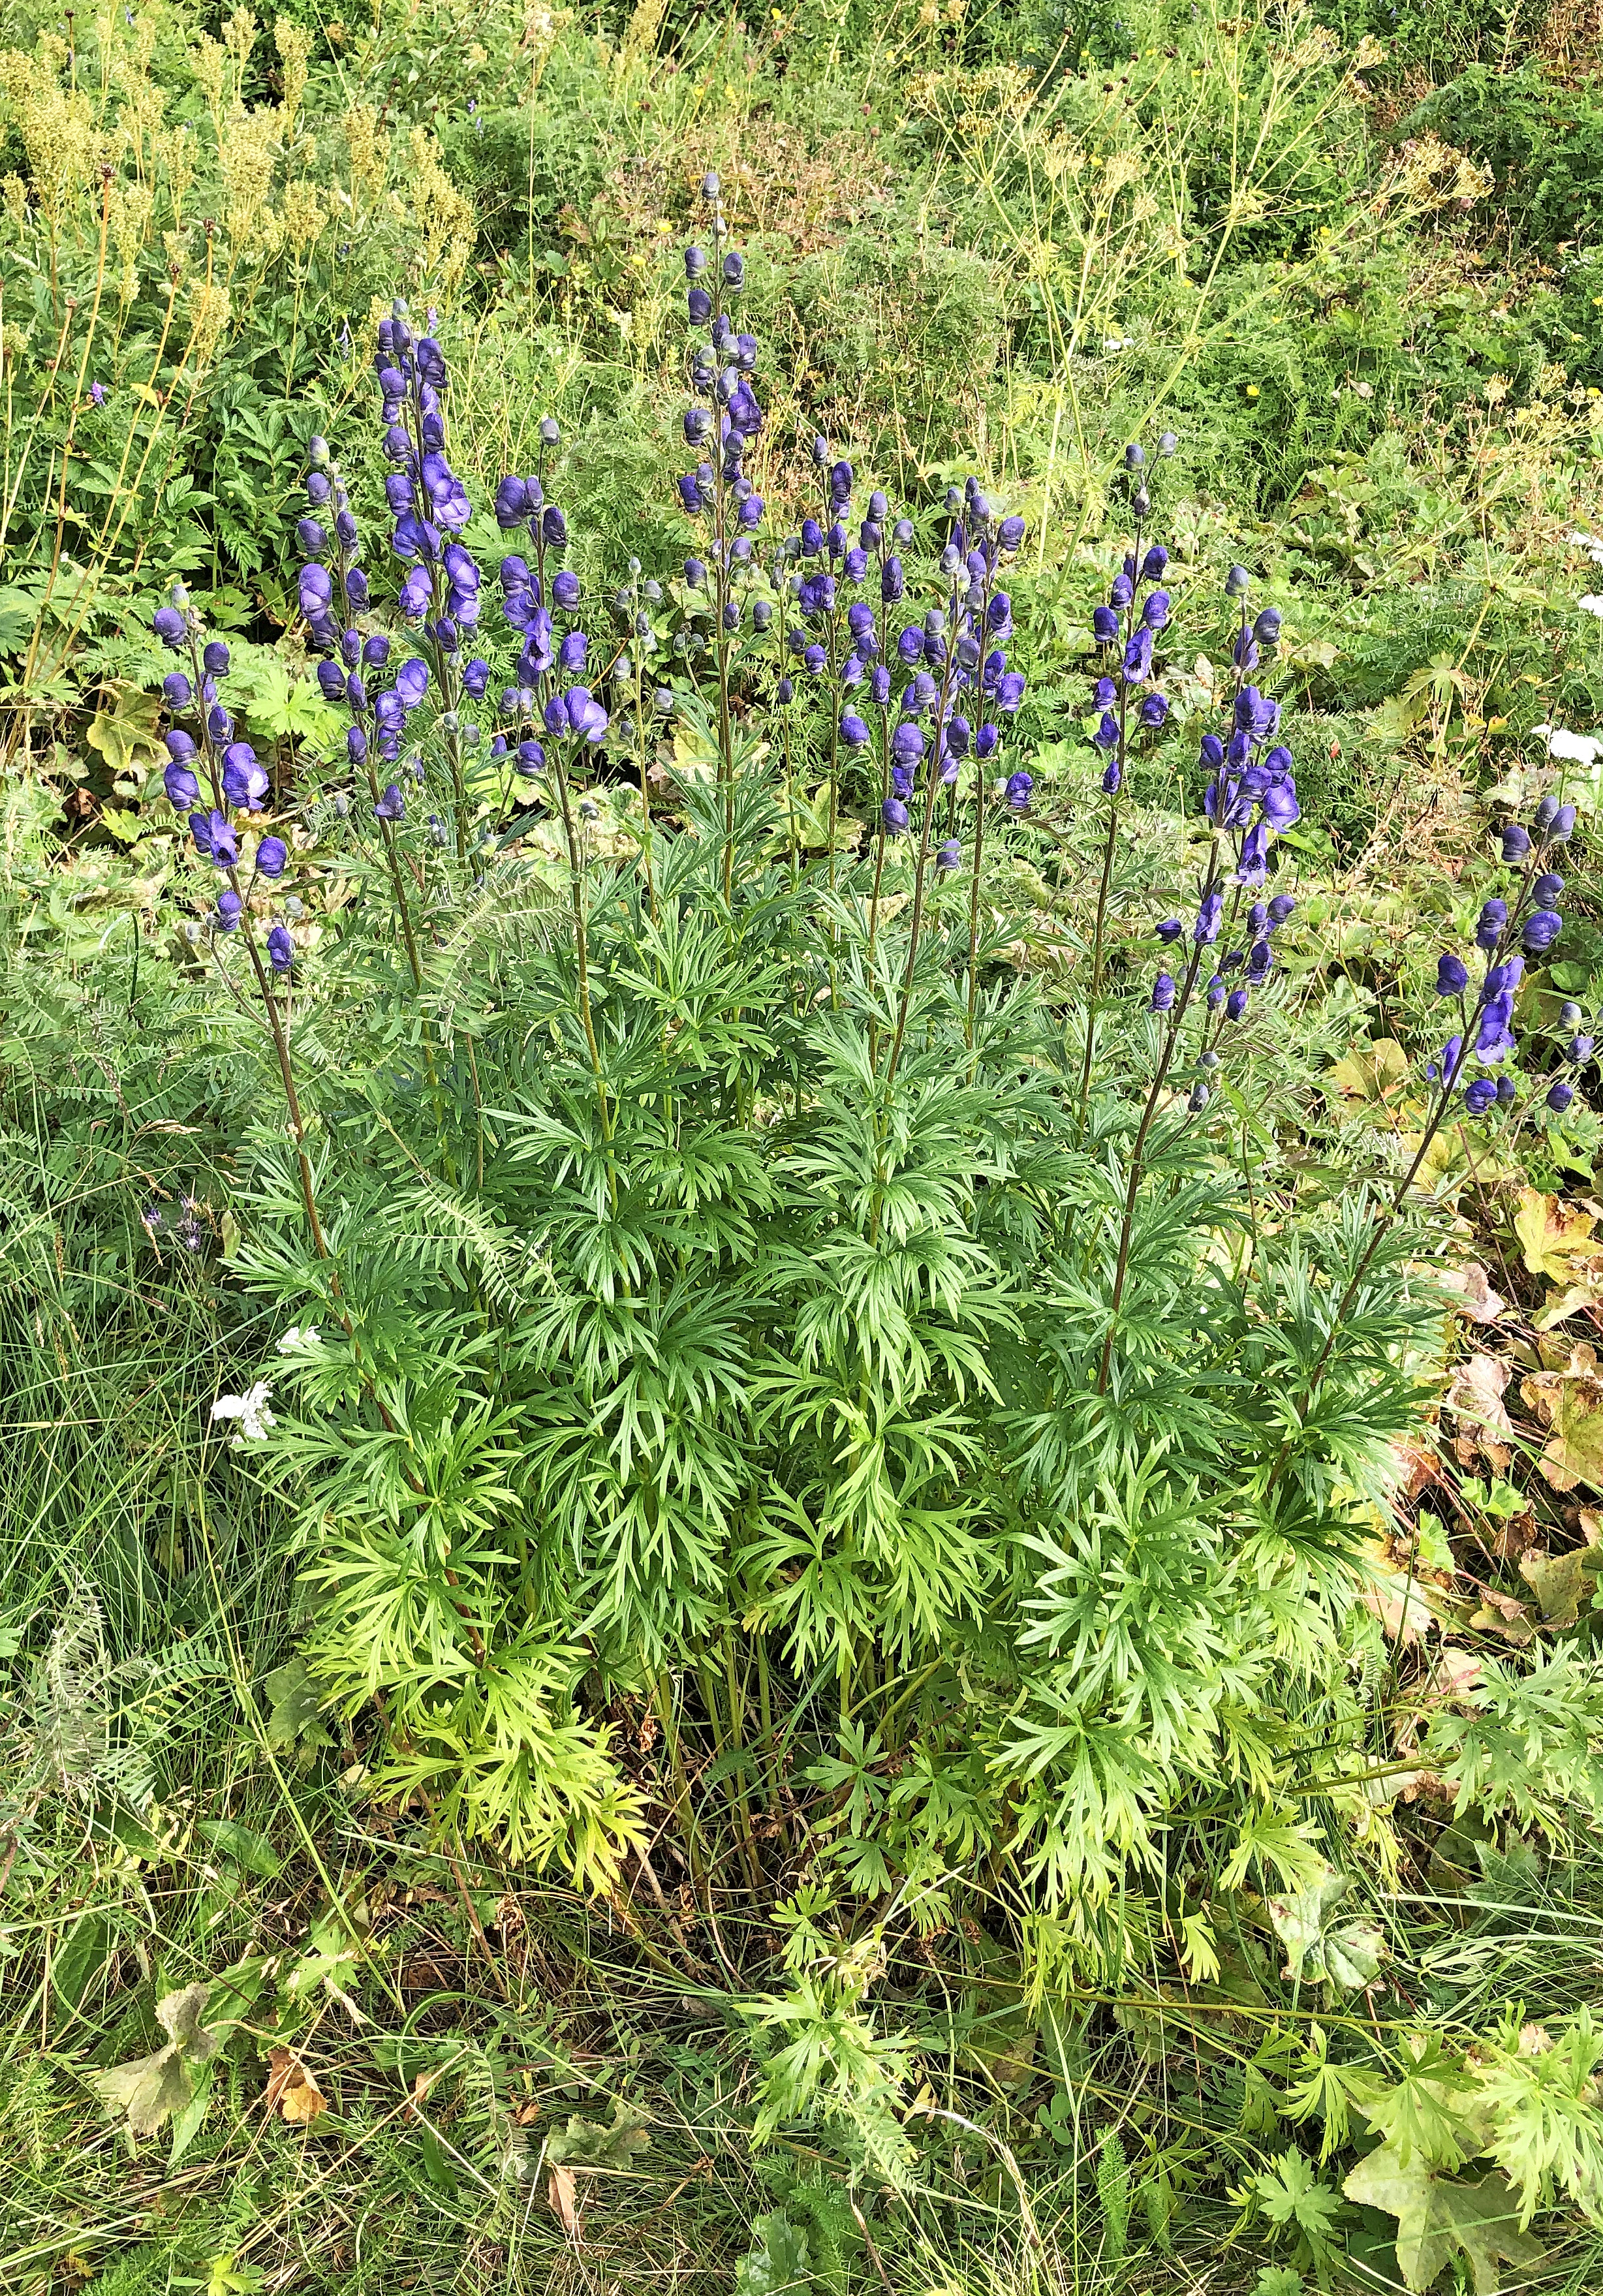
1473 1289
291 2090
1477 1394
561 2191
1500 1614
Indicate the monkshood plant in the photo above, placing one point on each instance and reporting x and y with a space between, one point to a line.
763 1375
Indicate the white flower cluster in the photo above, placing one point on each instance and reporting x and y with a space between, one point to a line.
251 1409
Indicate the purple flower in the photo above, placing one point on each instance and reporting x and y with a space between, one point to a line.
1106 736
1018 789
1009 690
214 836
281 948
181 786
271 855
1163 994
948 855
907 745
1155 611
1113 778
412 683
1517 842
1154 709
392 806
316 590
1448 1061
1545 891
1255 860
1452 975
175 690
894 816
167 624
585 715
1560 1097
1580 1050
230 908
1479 1097
215 658
244 780
1281 907
1235 1004
854 731
1492 924
529 758
1214 991
1279 803
1542 928
1105 626
512 503
1255 717
1208 919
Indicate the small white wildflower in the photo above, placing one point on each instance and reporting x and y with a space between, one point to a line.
1589 543
1580 748
251 1409
297 1340
1591 604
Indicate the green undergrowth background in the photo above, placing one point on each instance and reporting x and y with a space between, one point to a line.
1350 255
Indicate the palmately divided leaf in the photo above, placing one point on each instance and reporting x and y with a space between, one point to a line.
151 2089
1439 2218
1347 1953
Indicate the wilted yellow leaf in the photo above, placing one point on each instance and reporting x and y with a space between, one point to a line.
1372 1070
1569 1404
1550 1232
